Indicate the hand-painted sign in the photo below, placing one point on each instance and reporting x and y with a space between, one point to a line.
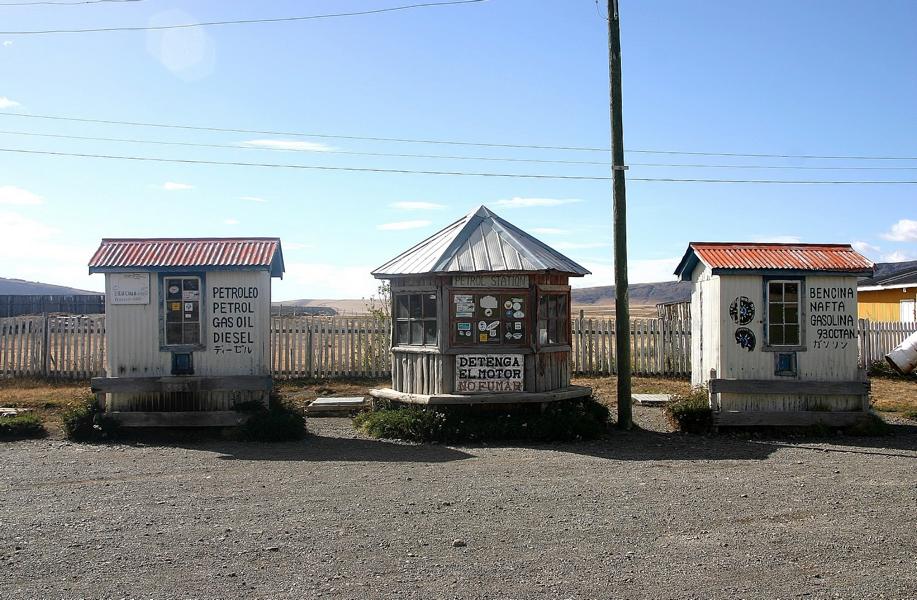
233 320
488 373
130 288
490 281
832 312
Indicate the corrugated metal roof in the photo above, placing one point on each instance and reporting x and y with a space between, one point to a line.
171 253
739 256
902 273
480 241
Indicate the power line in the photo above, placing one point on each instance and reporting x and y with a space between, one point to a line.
330 151
457 173
444 141
245 21
441 156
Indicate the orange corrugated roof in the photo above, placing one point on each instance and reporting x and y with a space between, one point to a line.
152 253
838 258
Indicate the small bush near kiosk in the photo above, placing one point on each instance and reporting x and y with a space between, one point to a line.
276 423
22 426
559 421
690 413
86 422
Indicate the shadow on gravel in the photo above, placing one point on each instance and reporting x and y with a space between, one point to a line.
312 448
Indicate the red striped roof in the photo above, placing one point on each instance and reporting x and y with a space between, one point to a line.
149 254
836 258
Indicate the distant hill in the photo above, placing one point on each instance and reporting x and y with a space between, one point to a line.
20 287
639 293
315 306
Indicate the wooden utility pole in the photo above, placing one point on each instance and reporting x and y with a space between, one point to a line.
622 308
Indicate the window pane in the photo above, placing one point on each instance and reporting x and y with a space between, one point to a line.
552 331
542 307
790 292
173 289
401 306
429 306
416 306
775 292
562 306
190 284
173 333
791 335
173 311
791 313
775 314
416 332
775 335
192 333
429 333
562 330
402 333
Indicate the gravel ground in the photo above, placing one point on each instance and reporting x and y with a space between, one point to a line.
644 514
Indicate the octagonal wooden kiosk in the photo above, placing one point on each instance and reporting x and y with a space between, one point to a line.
480 315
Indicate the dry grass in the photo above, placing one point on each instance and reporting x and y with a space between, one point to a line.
299 392
46 399
605 388
894 395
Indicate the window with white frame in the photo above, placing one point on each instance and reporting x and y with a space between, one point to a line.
783 308
182 310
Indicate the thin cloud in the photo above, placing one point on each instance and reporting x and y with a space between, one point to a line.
6 102
904 230
252 199
549 231
294 145
898 256
10 194
865 247
231 222
401 225
533 202
7 43
174 186
417 206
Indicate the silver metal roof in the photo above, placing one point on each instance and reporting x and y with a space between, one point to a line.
479 242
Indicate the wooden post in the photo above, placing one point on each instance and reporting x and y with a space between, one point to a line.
45 346
622 310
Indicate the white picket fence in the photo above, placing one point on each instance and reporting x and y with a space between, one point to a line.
876 339
330 347
657 346
73 346
56 346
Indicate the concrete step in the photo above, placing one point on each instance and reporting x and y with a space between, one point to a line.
335 406
651 399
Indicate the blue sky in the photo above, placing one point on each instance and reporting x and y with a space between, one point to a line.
784 77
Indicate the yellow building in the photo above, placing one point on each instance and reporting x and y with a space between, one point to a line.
891 294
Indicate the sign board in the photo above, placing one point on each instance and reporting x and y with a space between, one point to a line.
490 281
130 288
488 373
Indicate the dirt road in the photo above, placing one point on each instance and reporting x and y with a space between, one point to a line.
636 515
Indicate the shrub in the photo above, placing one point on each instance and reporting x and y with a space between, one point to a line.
881 368
690 413
85 422
559 421
21 426
277 423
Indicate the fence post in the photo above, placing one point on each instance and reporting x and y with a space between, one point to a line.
45 346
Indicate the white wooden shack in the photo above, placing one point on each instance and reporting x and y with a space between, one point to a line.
480 314
188 328
774 331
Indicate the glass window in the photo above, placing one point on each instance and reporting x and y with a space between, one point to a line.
415 320
783 327
553 320
182 308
